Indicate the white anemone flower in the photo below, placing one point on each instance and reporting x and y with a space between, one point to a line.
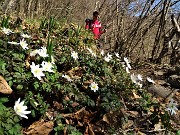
123 64
25 36
20 109
128 65
89 50
117 55
127 62
94 86
136 79
140 77
7 31
74 55
43 52
34 52
67 77
37 71
127 70
23 44
150 80
108 57
172 107
102 52
47 66
92 53
13 43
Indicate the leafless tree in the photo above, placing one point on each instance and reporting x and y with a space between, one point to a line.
142 30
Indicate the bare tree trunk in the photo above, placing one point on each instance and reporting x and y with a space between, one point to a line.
29 9
175 55
160 33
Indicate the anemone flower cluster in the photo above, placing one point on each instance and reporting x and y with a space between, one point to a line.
37 71
41 52
7 31
22 42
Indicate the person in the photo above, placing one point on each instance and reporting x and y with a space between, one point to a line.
95 25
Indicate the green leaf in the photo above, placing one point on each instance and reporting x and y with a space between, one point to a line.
33 113
10 83
8 126
19 87
178 132
4 100
36 85
32 103
10 121
16 119
17 75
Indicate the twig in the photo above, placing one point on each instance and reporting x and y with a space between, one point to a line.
70 114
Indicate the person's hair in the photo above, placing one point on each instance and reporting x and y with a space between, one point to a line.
95 13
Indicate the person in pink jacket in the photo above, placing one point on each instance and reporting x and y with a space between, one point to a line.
95 26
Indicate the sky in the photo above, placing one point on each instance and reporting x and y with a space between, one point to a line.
141 3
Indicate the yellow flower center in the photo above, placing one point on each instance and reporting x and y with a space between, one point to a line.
19 109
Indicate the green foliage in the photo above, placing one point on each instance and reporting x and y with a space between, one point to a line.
48 24
5 22
9 122
111 77
39 106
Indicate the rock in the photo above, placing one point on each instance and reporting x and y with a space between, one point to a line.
4 87
160 91
174 81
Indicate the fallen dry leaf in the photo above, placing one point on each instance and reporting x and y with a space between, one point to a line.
74 104
135 95
105 118
127 124
157 126
133 114
4 87
40 128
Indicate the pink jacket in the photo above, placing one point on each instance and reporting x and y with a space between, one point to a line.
95 27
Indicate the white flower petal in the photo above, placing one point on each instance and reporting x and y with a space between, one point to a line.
25 36
67 77
23 44
150 80
43 52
